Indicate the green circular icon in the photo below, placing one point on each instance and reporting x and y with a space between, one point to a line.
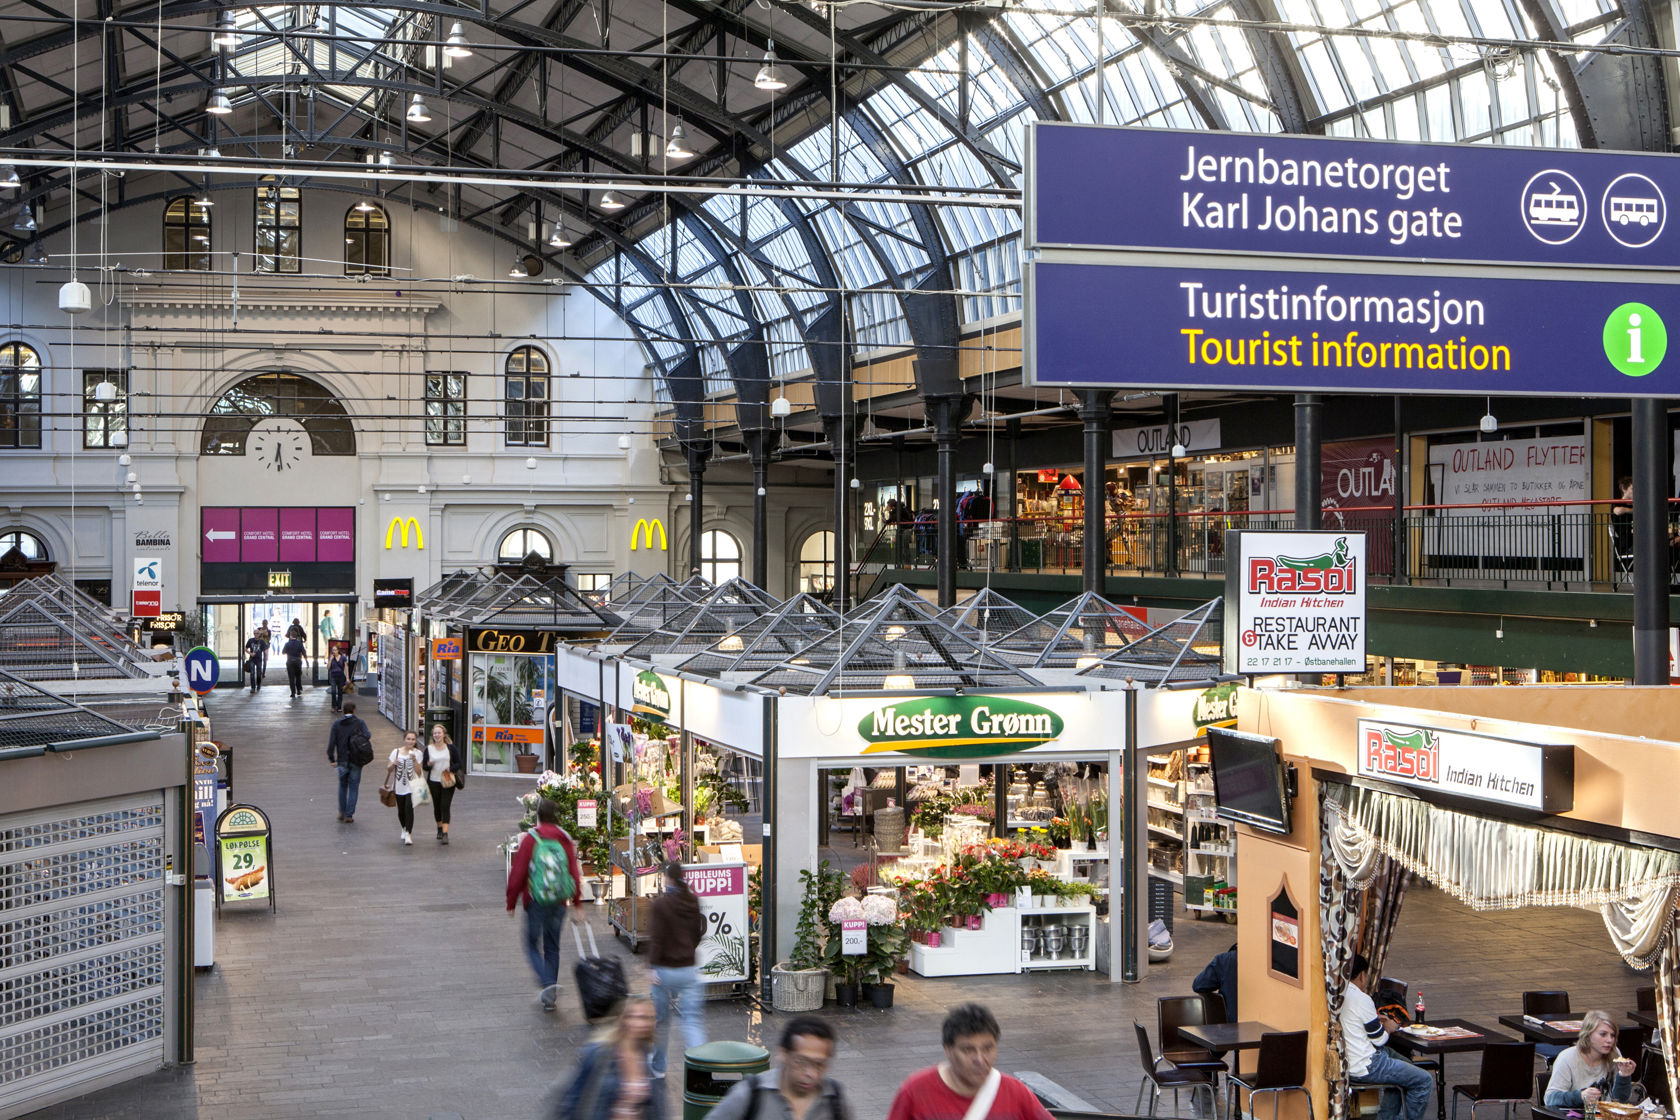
1635 339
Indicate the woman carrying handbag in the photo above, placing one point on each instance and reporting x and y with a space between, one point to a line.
611 1081
446 772
402 777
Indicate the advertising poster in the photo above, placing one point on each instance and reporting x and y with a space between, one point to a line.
1476 481
722 956
507 707
1300 600
244 865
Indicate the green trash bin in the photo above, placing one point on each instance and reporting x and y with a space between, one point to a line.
710 1071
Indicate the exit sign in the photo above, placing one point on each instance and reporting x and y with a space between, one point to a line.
280 579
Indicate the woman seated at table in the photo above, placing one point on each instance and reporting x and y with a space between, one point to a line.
1587 1071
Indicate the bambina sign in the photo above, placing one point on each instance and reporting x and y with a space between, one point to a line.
958 726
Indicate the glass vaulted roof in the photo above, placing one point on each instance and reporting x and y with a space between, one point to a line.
1391 69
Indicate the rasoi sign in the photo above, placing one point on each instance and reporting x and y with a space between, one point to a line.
1300 601
1535 776
958 726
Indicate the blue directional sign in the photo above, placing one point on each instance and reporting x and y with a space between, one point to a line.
204 669
1348 331
1148 188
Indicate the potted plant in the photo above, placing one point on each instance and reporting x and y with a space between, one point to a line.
887 942
849 969
797 983
525 761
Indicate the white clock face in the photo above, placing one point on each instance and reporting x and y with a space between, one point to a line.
278 445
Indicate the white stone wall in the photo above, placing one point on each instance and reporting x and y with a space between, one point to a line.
370 343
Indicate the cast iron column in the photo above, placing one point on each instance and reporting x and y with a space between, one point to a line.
1650 542
946 415
696 451
1095 409
1171 567
839 428
1309 422
760 441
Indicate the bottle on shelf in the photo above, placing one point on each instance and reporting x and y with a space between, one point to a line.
1419 1008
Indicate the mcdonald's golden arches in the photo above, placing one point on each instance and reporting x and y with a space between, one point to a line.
405 524
644 529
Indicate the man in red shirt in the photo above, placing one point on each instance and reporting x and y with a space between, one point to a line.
963 1082
543 918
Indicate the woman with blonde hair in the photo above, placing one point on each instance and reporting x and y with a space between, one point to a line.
612 1080
1591 1069
446 772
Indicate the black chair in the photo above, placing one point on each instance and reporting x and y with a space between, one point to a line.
1173 1012
1172 1077
1213 1007
1281 1068
1652 1074
1630 1041
1396 983
1545 1003
1621 553
1506 1077
1645 999
1541 1080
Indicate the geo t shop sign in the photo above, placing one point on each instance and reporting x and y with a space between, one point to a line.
1300 602
1537 776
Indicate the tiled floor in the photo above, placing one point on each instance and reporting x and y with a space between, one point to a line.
390 983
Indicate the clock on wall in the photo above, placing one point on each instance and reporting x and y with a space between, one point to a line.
278 445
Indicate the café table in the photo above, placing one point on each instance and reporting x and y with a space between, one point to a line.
1539 1028
1646 1019
1227 1036
1413 1046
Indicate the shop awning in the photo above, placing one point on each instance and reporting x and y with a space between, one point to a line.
37 643
653 603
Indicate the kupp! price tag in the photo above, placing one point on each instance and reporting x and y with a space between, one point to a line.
854 937
586 814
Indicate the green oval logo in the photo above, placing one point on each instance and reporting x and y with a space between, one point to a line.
649 696
958 726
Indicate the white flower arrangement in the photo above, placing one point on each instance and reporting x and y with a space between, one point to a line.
846 909
879 910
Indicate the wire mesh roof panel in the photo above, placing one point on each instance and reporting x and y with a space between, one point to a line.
36 644
479 597
445 590
58 595
768 640
656 603
1086 626
1184 651
33 717
988 615
900 645
722 611
617 588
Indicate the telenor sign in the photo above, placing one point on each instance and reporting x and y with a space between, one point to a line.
958 726
1537 776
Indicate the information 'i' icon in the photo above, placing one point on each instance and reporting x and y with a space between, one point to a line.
1635 339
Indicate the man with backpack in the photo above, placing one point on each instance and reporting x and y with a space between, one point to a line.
349 747
800 1087
545 873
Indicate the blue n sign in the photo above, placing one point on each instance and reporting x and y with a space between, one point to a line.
204 669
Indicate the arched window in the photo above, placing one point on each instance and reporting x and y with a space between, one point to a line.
27 543
526 398
367 240
186 235
816 563
281 414
720 556
520 543
279 227
20 396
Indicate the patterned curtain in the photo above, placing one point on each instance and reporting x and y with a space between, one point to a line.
1380 913
1338 920
1668 974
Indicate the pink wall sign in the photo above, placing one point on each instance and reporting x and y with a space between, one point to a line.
283 535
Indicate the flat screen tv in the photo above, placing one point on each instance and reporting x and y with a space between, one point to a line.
1248 780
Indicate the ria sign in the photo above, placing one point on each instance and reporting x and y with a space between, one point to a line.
958 727
1300 602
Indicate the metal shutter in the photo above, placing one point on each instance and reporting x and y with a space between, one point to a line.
82 947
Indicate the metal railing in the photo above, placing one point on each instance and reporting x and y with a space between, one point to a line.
1555 545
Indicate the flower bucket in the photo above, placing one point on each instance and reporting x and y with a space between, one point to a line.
974 921
932 939
880 996
846 995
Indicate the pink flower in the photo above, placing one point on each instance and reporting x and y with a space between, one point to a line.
846 909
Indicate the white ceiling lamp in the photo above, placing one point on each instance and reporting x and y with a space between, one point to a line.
517 272
624 443
386 161
226 35
365 207
219 105
1490 423
9 180
898 682
611 201
781 407
210 153
769 77
531 465
124 459
38 255
74 297
132 477
455 46
417 113
203 201
25 221
678 147
105 392
558 239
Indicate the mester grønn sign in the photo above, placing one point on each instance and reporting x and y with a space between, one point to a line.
958 726
1179 260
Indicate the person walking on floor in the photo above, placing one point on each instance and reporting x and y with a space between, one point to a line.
611 1081
255 648
967 1082
799 1088
675 927
267 637
402 775
294 651
545 873
295 630
1366 1053
349 747
446 773
337 676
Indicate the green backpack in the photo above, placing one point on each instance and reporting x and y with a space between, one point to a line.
550 876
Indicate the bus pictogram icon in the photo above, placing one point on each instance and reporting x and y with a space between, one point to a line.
1633 210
